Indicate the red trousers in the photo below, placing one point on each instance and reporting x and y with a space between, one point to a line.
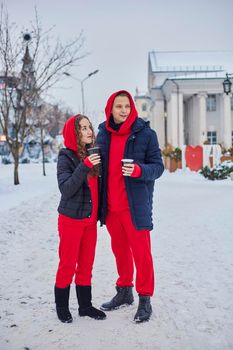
131 246
76 252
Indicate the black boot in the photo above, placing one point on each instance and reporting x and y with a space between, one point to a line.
62 304
124 296
85 305
144 310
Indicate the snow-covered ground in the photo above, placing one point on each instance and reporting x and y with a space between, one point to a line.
192 245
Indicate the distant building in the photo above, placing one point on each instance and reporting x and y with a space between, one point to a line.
185 102
143 104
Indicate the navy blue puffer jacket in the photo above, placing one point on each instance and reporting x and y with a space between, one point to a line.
72 181
142 146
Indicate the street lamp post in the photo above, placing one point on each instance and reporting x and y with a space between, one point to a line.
227 84
82 85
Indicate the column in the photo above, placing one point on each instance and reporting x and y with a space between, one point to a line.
172 120
226 122
180 112
202 118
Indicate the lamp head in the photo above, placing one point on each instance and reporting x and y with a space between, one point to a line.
227 85
27 37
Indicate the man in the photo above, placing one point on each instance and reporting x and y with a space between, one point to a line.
126 198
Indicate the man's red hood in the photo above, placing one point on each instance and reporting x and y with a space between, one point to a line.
126 126
69 134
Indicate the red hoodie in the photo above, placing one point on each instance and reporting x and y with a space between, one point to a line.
117 196
70 141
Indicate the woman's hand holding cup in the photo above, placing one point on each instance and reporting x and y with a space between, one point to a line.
94 155
94 158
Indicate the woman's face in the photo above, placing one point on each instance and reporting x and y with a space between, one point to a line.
86 131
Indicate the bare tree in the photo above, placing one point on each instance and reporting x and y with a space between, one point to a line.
41 123
49 121
23 85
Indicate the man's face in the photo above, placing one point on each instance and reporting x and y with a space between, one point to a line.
121 109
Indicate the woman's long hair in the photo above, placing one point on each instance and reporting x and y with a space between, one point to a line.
82 148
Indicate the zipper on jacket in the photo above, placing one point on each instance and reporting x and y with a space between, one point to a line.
103 208
131 138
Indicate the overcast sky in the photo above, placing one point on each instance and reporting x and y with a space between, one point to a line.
119 35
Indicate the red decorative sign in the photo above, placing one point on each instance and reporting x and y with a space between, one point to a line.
194 157
2 138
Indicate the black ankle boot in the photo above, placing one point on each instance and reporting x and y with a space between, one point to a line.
85 306
144 310
62 304
124 296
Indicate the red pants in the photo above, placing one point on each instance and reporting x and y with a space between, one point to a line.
131 246
76 252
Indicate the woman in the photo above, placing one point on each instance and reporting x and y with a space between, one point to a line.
77 175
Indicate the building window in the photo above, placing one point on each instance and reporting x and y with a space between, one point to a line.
144 107
211 103
212 137
232 103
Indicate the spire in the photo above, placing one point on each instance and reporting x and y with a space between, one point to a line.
27 72
27 63
27 59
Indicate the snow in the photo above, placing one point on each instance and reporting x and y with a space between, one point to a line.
192 246
191 60
32 184
210 75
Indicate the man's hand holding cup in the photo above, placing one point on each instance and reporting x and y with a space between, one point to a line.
127 167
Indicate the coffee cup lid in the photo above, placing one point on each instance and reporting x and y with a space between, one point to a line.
127 160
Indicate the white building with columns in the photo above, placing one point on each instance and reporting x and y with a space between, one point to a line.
185 102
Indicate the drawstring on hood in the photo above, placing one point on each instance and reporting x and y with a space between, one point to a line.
125 126
69 134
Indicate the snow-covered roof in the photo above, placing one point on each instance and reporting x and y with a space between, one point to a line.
141 94
199 75
191 61
35 137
